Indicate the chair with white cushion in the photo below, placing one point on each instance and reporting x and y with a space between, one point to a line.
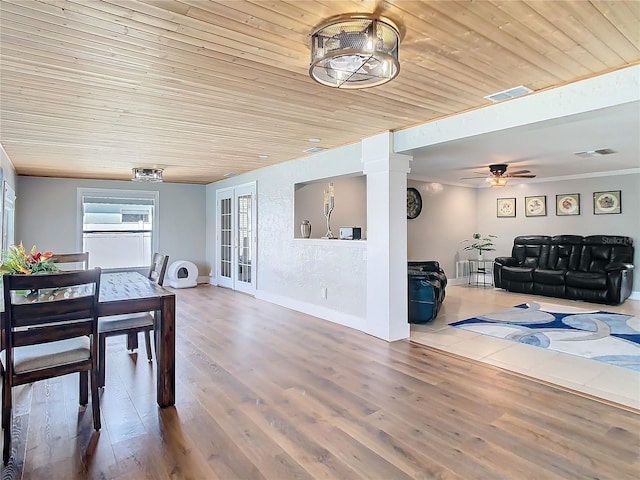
133 323
51 329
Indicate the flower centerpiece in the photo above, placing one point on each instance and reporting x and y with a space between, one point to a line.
480 243
17 260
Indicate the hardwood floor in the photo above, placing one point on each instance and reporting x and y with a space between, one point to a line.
263 392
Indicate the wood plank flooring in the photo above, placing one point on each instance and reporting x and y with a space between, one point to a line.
263 392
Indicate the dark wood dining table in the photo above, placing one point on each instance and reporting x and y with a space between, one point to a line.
131 292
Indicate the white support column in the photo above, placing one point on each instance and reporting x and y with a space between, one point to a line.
386 238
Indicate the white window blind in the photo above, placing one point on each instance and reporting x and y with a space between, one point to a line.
118 227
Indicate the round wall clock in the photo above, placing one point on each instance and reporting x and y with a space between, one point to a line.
414 203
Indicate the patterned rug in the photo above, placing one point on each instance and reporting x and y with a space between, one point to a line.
603 336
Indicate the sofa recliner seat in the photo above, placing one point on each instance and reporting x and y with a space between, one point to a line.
596 268
549 277
520 274
426 290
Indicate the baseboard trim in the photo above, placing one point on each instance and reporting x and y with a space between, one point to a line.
634 296
334 316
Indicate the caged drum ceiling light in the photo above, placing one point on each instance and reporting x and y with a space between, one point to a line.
354 51
146 174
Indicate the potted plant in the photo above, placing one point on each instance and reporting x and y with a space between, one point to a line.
17 260
480 243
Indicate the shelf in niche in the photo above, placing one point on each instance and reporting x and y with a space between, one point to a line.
350 205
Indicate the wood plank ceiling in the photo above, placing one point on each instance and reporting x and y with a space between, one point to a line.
92 88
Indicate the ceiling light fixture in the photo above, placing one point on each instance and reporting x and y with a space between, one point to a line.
146 174
354 51
497 181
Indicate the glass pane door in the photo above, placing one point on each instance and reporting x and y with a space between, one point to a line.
236 238
225 240
245 250
245 231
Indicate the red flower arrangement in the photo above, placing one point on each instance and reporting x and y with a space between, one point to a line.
17 260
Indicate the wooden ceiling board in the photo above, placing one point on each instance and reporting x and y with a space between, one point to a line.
91 89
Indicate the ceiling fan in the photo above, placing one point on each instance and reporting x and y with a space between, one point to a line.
498 175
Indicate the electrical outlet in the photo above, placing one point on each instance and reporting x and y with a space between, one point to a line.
324 292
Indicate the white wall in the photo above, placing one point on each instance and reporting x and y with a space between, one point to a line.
613 88
8 171
46 215
626 223
292 272
449 216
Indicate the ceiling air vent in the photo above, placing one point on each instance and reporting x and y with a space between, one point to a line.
508 94
595 153
314 150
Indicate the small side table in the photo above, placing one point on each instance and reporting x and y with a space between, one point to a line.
478 271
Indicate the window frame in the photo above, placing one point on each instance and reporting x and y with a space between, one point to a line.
133 195
8 207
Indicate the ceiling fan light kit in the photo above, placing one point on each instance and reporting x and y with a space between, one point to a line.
354 51
146 174
498 175
497 181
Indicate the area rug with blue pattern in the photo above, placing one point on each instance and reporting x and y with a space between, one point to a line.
612 338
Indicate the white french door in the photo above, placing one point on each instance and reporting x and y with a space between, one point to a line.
236 238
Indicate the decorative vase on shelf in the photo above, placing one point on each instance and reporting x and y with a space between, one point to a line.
305 229
480 256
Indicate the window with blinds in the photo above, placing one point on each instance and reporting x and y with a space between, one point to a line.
118 227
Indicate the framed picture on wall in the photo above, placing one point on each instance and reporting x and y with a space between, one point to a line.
605 203
535 206
568 204
506 207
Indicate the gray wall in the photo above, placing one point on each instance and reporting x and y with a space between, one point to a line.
625 223
448 217
452 214
46 215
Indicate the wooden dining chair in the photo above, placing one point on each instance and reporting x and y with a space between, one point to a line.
49 332
73 260
133 323
67 261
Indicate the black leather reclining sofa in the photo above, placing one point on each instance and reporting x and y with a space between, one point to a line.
427 283
597 268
